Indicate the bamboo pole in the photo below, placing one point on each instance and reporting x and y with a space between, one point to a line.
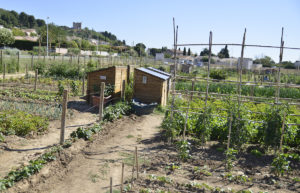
282 132
63 117
229 132
122 178
186 119
101 101
280 61
240 71
208 68
31 62
83 83
18 64
35 79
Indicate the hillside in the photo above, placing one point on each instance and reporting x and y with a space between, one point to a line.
12 19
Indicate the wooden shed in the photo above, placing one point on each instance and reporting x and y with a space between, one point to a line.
114 75
164 73
150 86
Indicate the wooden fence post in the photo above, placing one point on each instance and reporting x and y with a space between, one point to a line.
136 163
193 88
122 178
63 117
83 83
31 67
78 59
26 69
101 101
18 64
110 185
123 90
2 64
35 79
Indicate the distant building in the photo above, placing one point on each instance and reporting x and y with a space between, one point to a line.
77 25
29 32
159 56
171 52
297 64
247 63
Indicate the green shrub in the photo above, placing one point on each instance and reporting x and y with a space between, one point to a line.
86 133
116 111
281 165
21 123
218 74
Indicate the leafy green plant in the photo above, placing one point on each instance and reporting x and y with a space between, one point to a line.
85 133
183 148
61 88
281 164
230 158
116 111
75 87
27 171
172 167
21 123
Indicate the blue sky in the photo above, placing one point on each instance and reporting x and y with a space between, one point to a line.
150 21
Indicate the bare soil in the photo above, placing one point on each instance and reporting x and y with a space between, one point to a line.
88 166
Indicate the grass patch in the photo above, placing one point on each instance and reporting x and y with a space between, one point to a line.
129 136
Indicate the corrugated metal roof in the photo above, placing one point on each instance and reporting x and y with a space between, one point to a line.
153 73
159 71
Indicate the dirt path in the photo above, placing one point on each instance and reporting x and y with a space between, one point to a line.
17 151
90 170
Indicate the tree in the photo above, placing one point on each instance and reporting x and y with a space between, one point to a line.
265 61
140 49
23 19
6 37
17 32
224 53
205 52
31 21
184 51
40 22
189 52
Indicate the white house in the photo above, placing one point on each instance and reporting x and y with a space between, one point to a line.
159 56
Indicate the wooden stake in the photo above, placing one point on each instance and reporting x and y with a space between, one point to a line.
282 132
78 59
31 62
280 61
83 83
35 79
136 163
101 101
208 68
110 185
229 132
18 67
193 88
122 178
63 117
123 90
186 119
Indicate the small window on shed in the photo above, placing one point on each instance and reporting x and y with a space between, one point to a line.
102 77
144 79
